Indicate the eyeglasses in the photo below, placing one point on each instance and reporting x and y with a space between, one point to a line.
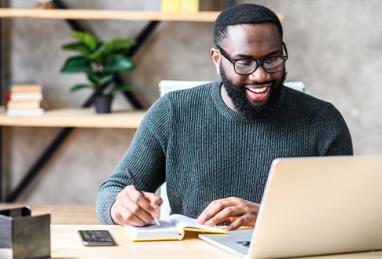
247 66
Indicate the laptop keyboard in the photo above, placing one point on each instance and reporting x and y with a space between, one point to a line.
244 243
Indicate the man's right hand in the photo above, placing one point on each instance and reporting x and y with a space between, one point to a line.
131 208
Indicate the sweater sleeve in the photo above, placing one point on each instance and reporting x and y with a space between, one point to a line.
334 138
145 158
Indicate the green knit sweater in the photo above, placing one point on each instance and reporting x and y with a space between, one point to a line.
206 151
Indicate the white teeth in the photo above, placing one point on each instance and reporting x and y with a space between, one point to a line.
258 90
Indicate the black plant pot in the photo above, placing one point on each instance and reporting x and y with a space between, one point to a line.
102 103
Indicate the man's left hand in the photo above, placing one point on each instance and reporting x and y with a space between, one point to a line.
238 212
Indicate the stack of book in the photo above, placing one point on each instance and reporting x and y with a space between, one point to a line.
172 6
25 100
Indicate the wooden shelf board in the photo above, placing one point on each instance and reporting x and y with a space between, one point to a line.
79 118
107 14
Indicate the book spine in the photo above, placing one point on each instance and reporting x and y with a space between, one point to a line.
26 88
25 112
189 6
29 96
21 104
170 6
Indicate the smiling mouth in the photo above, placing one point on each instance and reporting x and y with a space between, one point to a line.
258 90
258 94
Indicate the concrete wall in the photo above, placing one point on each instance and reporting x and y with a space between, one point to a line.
335 48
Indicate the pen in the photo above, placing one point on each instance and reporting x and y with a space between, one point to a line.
140 191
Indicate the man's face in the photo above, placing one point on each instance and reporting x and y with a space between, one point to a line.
259 90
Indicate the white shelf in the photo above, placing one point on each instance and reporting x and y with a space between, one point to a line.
79 118
107 14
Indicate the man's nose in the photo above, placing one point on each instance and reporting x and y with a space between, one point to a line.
259 75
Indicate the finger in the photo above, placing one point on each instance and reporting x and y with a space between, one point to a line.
215 207
139 199
126 201
123 216
138 212
226 214
155 200
245 220
130 219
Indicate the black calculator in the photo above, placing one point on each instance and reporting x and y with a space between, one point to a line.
97 238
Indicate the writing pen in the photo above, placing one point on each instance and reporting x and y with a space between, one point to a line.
140 191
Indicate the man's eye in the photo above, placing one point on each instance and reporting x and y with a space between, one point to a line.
273 61
244 63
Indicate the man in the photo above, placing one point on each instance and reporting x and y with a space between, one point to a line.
214 144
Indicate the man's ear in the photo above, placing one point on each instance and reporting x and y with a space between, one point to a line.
215 54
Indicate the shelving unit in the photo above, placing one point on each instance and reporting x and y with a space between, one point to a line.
69 119
108 14
78 118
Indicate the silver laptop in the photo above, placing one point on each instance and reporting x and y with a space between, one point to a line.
314 206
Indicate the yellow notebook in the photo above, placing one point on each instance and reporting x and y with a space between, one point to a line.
173 227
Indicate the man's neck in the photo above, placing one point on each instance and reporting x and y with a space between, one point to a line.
226 99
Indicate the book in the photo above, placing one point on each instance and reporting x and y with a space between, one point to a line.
26 96
26 88
189 6
23 104
169 6
173 227
25 112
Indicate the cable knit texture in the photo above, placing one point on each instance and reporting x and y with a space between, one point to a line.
206 151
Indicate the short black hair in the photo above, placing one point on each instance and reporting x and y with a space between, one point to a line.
244 14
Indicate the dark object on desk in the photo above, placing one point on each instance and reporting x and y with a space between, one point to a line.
96 238
23 235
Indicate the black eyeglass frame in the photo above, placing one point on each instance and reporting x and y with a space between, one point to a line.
259 62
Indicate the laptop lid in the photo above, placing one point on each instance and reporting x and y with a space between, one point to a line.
316 206
322 205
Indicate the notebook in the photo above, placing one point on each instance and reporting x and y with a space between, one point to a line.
314 206
173 227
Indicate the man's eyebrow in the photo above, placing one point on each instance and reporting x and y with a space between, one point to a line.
243 56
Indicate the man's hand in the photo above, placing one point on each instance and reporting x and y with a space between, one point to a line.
133 208
238 211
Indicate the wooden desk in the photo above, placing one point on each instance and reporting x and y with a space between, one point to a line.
66 243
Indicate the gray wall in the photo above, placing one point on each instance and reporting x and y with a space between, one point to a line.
335 48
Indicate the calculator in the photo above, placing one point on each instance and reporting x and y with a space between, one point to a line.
96 238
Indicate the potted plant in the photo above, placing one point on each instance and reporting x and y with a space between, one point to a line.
100 61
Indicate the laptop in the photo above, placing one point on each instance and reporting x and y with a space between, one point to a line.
314 206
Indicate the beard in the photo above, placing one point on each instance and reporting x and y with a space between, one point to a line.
244 106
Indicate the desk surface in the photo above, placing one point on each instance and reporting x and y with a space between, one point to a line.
66 241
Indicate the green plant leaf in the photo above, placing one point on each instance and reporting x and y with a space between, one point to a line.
112 46
100 79
78 87
76 64
118 63
77 46
124 87
86 38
